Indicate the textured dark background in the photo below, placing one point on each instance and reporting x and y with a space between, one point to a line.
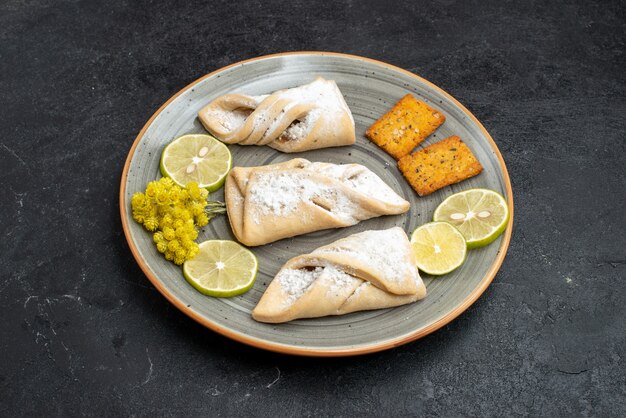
82 331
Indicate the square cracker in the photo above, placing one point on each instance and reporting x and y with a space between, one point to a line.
439 165
405 126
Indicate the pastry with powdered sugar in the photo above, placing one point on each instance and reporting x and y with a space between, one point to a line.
277 201
307 117
349 275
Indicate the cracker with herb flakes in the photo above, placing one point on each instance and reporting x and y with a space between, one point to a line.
441 164
405 126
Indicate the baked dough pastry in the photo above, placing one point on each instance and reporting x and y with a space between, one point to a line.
295 197
303 118
368 270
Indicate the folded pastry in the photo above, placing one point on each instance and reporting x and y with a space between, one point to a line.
283 200
368 270
311 116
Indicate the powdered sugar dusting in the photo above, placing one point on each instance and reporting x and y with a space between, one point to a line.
337 280
280 194
358 291
263 119
295 282
300 129
323 95
368 183
360 179
385 250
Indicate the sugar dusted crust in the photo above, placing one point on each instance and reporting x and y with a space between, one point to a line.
310 116
296 197
348 275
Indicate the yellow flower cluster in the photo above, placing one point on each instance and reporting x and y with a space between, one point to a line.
172 213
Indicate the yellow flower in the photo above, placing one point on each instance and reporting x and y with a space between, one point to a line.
174 195
181 253
202 220
197 209
173 245
161 246
175 212
166 182
151 223
169 233
185 215
162 198
191 252
166 220
181 232
140 205
151 189
138 200
194 190
138 216
157 237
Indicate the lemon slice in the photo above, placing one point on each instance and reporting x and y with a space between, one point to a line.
199 158
439 248
221 269
480 214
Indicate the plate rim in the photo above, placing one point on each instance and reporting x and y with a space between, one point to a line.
309 351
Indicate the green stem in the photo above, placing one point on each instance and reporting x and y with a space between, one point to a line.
215 208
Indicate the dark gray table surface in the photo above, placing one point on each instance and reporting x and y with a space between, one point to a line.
82 330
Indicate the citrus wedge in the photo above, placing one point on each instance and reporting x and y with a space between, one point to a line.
480 214
199 158
221 269
439 248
